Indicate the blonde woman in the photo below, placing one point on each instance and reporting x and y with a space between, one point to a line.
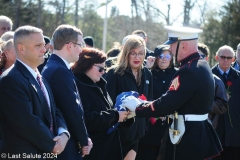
130 75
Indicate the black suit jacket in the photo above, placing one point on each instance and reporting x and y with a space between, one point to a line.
25 115
67 99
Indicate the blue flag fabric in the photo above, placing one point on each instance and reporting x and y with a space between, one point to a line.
119 107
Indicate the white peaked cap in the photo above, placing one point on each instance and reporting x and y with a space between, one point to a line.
181 33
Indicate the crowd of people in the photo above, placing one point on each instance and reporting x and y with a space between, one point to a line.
59 94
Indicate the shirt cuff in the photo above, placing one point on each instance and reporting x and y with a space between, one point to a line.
63 130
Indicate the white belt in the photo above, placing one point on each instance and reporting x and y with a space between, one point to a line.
194 117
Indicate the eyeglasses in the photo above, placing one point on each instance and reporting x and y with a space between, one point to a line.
133 54
80 45
167 56
202 55
225 57
100 69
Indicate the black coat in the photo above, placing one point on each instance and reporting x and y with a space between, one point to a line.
228 128
117 84
189 93
99 116
220 103
161 83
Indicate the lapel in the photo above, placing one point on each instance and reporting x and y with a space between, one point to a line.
61 62
36 89
217 73
145 82
54 57
51 98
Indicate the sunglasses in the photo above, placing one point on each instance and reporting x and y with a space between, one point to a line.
225 57
167 56
100 69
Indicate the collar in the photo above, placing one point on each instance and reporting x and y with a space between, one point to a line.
169 69
84 79
221 71
236 65
67 64
34 73
189 58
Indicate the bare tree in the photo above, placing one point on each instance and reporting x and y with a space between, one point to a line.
63 11
76 13
187 8
17 14
165 16
39 14
135 5
202 9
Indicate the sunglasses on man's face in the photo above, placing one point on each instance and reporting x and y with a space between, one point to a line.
100 69
167 56
225 57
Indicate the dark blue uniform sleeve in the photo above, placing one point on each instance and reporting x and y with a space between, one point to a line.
180 91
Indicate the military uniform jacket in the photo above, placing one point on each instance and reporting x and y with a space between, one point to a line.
191 92
228 128
161 83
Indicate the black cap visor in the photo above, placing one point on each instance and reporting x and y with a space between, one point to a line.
172 40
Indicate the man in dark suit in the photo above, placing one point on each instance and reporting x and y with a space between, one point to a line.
67 42
31 124
228 127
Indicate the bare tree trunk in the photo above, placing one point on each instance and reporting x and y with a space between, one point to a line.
39 17
76 13
187 8
132 13
17 14
63 11
202 9
134 2
168 15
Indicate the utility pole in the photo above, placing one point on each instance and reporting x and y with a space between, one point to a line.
105 24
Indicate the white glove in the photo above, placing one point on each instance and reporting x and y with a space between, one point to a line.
131 103
142 101
131 115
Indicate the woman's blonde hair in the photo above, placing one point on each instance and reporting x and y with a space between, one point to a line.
122 64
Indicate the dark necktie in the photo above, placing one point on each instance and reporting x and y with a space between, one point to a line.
225 77
40 82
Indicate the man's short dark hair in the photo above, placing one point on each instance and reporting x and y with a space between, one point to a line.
202 47
89 41
65 34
